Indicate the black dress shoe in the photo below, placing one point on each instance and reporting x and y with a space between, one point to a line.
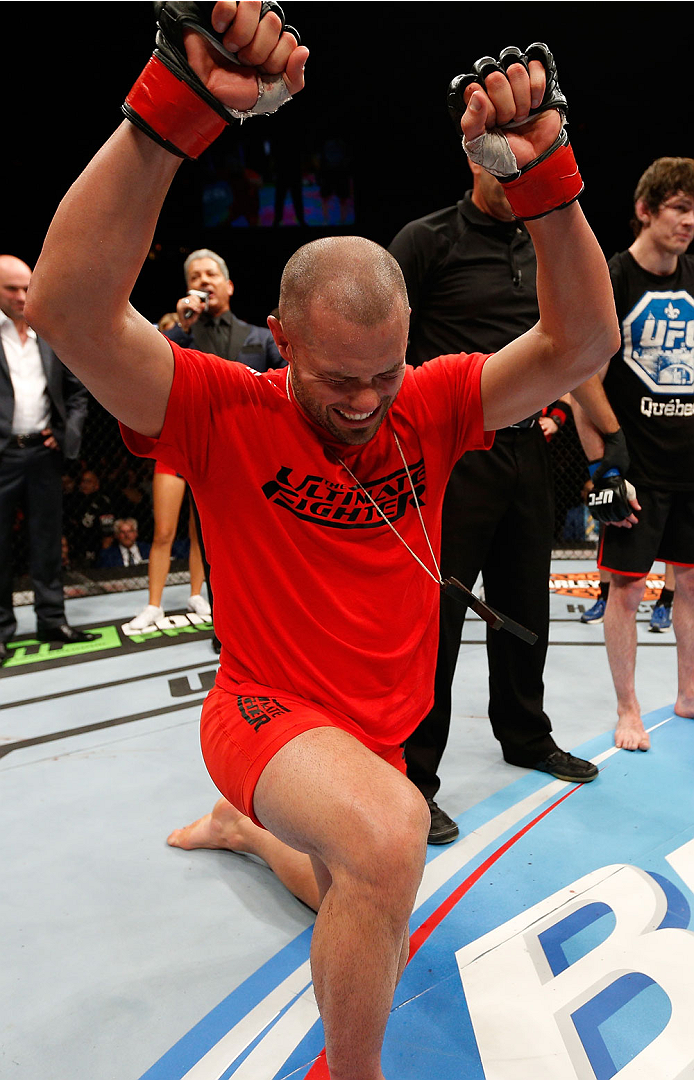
216 645
443 828
564 766
66 634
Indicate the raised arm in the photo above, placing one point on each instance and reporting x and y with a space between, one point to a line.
577 332
104 226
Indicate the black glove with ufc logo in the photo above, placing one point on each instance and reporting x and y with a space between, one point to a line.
610 499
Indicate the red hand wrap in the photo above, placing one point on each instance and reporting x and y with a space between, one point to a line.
549 185
173 110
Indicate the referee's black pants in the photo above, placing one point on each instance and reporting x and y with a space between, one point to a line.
498 519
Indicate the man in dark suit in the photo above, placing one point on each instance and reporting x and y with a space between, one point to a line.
206 321
126 549
42 412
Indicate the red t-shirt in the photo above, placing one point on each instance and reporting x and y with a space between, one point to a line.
314 596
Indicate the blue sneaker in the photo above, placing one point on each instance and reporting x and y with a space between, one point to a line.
661 619
596 613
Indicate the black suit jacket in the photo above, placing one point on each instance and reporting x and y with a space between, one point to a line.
67 396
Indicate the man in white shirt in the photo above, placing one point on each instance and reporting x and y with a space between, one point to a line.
42 412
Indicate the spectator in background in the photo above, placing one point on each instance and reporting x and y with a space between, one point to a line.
91 522
126 550
42 412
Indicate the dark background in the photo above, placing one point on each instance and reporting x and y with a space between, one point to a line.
377 75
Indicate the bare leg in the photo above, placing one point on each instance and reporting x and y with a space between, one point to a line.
197 572
683 622
620 639
167 496
227 828
366 824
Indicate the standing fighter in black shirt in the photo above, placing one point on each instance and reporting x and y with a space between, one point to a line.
650 385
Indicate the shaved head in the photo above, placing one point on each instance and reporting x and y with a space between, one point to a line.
10 264
356 279
15 276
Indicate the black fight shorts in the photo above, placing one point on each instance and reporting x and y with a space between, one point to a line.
665 533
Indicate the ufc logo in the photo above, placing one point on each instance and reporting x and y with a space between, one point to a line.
601 498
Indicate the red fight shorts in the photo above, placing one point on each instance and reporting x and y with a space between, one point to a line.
240 734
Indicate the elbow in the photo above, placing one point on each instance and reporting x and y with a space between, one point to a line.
32 308
52 319
598 345
37 310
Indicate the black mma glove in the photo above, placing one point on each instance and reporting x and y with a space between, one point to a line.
552 180
609 499
171 104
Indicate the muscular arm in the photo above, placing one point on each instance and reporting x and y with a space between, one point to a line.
577 332
103 229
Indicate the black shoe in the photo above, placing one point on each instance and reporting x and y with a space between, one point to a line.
567 767
4 652
216 645
65 634
443 828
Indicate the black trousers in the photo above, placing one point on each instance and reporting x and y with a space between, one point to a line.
31 477
498 519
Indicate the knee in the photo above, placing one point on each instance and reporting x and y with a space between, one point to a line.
391 835
163 537
626 593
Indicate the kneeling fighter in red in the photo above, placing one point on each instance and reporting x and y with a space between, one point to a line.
320 485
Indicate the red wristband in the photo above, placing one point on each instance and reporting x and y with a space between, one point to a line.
550 185
173 110
557 413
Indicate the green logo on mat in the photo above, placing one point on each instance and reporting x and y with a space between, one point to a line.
31 651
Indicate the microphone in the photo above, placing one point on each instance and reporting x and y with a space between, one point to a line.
202 296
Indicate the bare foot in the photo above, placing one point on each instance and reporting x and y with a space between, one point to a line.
224 828
684 706
630 733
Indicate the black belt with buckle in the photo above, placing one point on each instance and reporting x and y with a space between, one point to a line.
23 441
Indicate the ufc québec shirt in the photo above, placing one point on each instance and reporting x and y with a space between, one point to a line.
650 382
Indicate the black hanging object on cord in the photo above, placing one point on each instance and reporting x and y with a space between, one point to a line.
452 587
